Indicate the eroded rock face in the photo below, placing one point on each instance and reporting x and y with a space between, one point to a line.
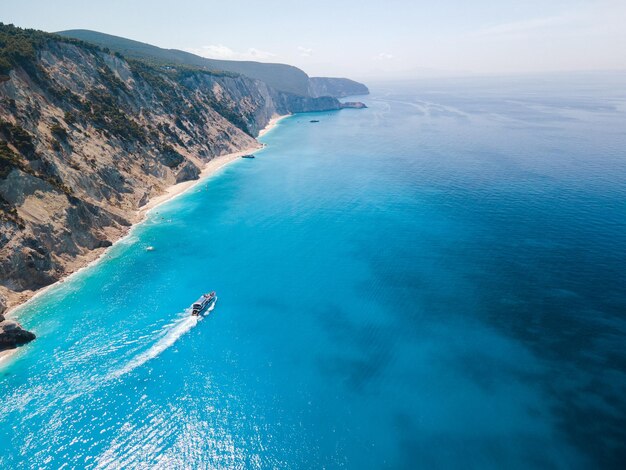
13 335
337 87
187 172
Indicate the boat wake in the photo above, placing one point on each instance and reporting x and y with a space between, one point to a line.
172 333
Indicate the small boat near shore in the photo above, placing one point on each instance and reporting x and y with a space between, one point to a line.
248 156
314 120
150 248
203 303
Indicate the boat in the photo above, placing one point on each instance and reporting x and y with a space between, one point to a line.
248 156
150 248
314 120
202 303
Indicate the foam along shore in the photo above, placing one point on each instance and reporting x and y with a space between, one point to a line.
77 265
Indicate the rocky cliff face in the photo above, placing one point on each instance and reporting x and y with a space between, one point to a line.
337 87
87 137
13 335
281 77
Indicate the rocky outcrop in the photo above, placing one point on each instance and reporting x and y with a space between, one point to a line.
187 172
353 104
12 334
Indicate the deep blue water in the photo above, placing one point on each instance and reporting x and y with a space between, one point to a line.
435 282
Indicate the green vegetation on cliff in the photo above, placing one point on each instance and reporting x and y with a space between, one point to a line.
19 46
21 139
279 76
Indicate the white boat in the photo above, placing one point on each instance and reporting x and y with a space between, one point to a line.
202 303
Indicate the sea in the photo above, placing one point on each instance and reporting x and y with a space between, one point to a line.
436 281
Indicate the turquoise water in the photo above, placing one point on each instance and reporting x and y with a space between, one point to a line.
434 282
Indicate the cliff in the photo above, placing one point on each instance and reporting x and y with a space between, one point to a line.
281 77
88 136
337 87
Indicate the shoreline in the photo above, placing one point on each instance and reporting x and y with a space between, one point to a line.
4 355
211 167
172 192
273 122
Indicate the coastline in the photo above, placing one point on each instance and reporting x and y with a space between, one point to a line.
179 189
209 169
172 192
4 355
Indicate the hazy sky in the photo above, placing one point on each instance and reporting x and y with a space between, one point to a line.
360 39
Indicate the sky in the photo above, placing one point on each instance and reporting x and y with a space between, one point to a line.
362 39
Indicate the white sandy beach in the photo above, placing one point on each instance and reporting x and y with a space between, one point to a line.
210 168
4 355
